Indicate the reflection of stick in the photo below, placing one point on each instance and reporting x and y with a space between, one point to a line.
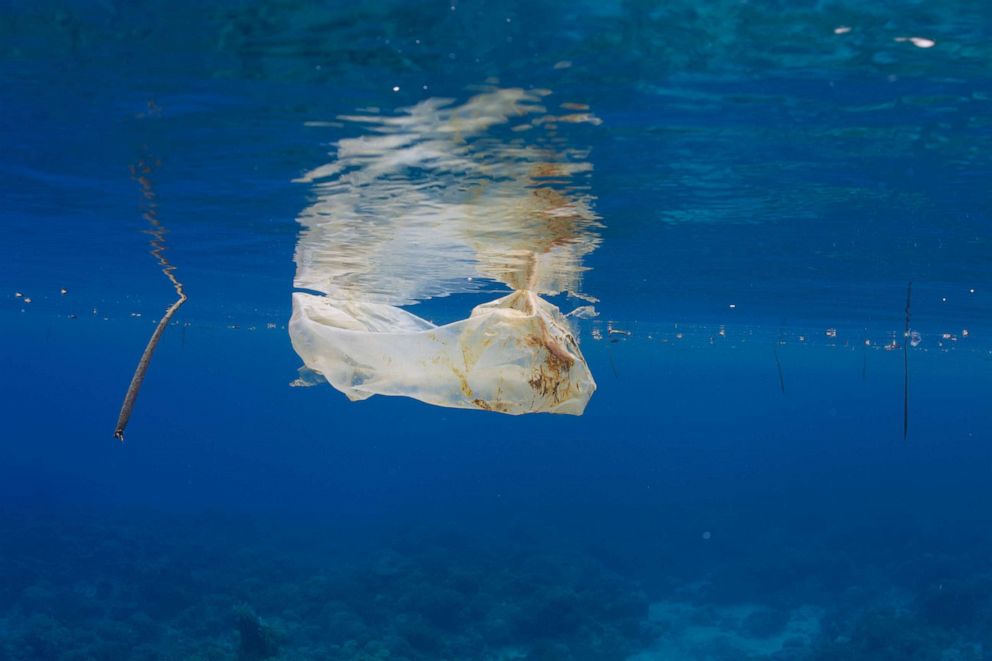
139 173
905 364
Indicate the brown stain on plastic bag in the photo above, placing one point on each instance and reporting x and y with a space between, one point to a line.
551 376
497 406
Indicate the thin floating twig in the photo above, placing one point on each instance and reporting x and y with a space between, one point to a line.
778 362
140 174
778 365
864 358
905 363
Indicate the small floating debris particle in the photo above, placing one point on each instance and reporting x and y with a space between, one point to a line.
27 300
18 294
563 64
270 325
915 338
964 333
919 42
583 312
580 118
733 306
842 29
63 291
831 332
611 330
597 334
396 88
707 535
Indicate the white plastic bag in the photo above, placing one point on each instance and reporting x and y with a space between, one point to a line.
513 355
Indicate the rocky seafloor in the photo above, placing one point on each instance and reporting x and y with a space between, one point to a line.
150 586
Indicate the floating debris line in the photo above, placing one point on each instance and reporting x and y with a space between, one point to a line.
905 363
140 172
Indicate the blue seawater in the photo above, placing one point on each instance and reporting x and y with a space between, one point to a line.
790 247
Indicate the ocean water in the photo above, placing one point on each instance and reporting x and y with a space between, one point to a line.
772 217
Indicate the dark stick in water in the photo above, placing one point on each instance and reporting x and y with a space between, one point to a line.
613 365
140 174
905 363
864 358
778 365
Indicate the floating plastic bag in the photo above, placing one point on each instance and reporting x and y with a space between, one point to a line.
513 355
435 201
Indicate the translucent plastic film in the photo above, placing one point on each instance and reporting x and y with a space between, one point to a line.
438 200
513 355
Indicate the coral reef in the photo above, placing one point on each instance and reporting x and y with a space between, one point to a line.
199 590
146 587
257 640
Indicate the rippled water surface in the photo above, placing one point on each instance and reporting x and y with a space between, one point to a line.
750 242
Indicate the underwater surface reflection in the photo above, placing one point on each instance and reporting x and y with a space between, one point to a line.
433 202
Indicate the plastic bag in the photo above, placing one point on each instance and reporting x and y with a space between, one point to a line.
431 202
513 355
